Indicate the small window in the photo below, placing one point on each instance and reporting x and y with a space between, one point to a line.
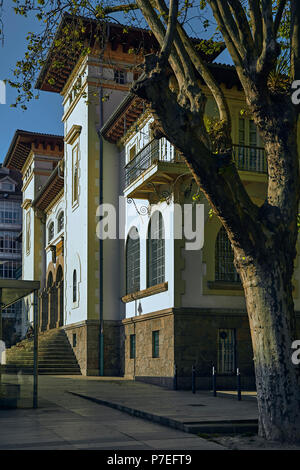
50 232
119 76
60 221
155 343
74 286
28 232
7 186
132 346
75 176
74 342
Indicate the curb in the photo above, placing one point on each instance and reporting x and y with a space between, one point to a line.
209 427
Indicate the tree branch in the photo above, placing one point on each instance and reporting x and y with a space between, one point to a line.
168 41
230 43
270 48
280 9
242 26
159 32
256 20
212 84
295 39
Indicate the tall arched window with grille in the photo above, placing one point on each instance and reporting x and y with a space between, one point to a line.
156 250
133 261
60 221
50 232
224 267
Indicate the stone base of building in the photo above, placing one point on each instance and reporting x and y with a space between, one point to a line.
85 340
190 337
202 383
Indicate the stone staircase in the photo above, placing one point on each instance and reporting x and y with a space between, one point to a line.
55 355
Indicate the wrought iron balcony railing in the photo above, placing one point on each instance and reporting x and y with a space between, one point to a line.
143 160
246 158
249 158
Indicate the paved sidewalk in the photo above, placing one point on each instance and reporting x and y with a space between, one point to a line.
72 415
194 413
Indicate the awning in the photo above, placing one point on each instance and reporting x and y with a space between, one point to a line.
12 290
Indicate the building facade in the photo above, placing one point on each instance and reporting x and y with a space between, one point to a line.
133 266
11 248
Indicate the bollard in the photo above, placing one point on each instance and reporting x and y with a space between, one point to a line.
175 378
214 382
238 380
193 379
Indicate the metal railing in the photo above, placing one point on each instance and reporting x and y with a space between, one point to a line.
249 158
149 154
246 158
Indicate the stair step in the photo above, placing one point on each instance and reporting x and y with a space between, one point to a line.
55 355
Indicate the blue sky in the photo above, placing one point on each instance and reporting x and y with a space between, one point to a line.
42 115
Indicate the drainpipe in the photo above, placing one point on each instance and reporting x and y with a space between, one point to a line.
101 343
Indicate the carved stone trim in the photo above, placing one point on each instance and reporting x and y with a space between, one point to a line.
146 292
224 285
73 134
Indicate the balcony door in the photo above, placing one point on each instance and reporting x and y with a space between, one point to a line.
250 154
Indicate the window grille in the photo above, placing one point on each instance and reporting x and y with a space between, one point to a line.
224 267
119 76
226 351
133 261
156 250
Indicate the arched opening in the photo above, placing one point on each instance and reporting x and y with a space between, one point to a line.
60 296
156 250
50 280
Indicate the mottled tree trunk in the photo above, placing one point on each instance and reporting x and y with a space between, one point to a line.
267 279
268 293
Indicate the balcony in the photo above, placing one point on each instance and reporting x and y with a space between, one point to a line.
251 159
150 168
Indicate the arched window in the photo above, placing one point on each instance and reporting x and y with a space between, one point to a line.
74 286
50 232
224 267
50 280
59 274
60 221
133 261
156 250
